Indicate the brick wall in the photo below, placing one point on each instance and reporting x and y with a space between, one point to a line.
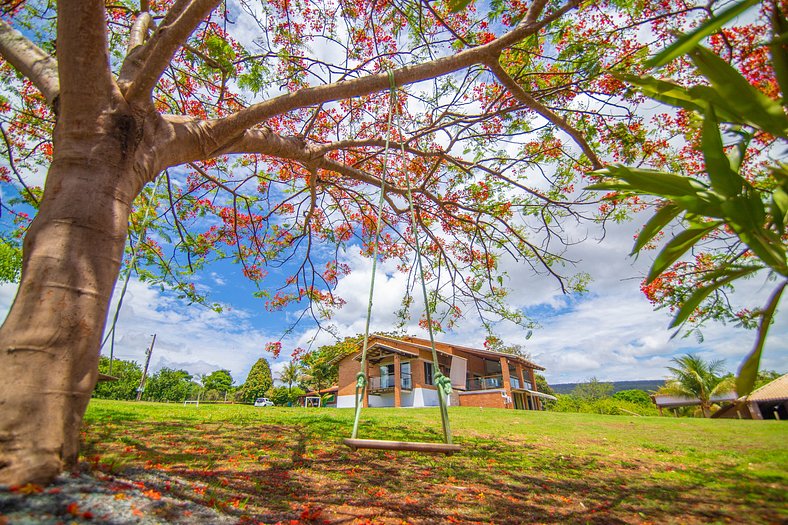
348 368
487 399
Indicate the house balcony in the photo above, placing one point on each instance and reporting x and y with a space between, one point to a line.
380 384
491 383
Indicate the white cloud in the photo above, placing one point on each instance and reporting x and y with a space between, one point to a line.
190 337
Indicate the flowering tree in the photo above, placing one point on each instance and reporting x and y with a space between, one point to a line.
200 129
735 216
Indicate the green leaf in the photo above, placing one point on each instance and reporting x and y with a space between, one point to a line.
678 246
745 381
739 151
658 221
723 179
687 42
694 300
767 247
749 104
779 209
778 49
456 6
651 181
665 92
695 98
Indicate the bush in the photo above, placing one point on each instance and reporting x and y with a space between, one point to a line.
637 397
610 406
282 396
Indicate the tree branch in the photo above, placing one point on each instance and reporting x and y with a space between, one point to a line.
142 69
139 31
86 83
525 98
234 124
31 61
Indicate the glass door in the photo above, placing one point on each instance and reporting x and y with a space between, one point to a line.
404 372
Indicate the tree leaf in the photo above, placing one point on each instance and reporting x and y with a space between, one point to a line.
697 297
695 98
688 41
666 92
770 250
723 178
678 246
778 48
748 372
652 181
738 153
749 104
658 221
456 6
779 209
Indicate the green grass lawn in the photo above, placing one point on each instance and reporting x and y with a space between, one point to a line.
269 465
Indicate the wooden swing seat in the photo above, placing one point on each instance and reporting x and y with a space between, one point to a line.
413 446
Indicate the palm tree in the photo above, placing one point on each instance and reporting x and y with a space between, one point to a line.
694 377
292 373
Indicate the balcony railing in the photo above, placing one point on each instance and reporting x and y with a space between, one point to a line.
485 383
491 382
380 383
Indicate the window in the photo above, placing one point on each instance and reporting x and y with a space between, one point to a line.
428 372
404 369
387 376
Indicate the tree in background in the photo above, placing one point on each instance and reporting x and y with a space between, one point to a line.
262 150
695 378
10 262
168 385
217 385
765 377
257 383
284 396
593 390
638 397
542 386
128 373
291 374
319 371
319 368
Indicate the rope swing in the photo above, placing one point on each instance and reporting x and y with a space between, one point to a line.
442 383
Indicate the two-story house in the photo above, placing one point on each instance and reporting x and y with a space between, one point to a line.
400 374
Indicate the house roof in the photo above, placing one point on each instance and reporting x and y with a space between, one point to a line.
378 350
330 390
666 401
777 390
378 345
478 352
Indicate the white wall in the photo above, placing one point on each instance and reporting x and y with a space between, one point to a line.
424 397
419 397
385 400
346 401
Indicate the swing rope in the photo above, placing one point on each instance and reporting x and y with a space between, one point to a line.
361 377
442 383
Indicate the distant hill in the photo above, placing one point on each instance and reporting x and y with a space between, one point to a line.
644 384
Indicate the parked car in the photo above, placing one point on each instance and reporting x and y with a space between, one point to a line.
263 402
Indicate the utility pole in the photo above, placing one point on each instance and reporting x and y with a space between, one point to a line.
148 352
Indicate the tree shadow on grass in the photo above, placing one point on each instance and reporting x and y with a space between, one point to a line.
302 473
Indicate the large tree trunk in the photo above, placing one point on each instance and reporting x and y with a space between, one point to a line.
49 343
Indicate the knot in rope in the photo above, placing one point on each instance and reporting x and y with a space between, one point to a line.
442 382
361 380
